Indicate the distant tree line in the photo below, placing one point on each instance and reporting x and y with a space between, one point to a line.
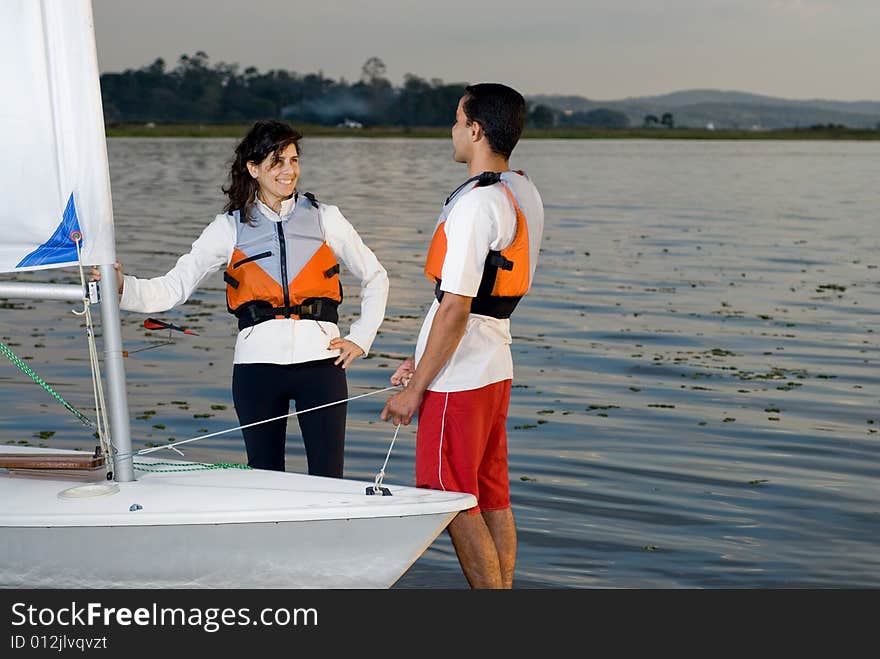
198 91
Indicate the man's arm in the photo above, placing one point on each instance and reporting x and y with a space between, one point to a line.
447 329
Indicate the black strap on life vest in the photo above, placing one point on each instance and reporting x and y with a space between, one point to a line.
485 303
259 311
496 306
483 179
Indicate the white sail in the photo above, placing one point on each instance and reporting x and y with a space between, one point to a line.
54 167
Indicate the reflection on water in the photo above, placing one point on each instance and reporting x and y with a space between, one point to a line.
696 392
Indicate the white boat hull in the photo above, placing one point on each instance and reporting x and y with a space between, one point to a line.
215 529
359 553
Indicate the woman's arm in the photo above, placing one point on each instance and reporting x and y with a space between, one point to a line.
211 251
347 246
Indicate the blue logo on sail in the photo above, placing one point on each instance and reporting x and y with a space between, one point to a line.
60 248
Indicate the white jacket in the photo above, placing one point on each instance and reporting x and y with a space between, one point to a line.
281 340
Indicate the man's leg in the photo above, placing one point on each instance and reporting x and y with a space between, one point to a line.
494 483
476 551
502 528
450 440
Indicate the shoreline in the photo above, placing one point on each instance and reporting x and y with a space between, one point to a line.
238 131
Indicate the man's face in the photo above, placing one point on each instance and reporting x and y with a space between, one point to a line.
462 144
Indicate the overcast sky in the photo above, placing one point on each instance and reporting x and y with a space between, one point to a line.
601 49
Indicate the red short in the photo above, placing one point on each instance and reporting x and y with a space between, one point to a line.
461 444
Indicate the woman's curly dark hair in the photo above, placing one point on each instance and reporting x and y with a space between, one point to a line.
264 139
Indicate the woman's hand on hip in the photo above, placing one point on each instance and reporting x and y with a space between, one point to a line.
348 351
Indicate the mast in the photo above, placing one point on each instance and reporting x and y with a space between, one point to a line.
120 430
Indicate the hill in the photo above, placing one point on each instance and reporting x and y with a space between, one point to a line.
727 109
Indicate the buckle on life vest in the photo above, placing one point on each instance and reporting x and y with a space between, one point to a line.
259 311
498 260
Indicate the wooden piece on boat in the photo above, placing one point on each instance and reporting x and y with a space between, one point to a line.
50 461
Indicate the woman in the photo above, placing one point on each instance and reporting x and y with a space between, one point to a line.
288 346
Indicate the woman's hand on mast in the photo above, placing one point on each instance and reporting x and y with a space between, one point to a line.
349 351
96 275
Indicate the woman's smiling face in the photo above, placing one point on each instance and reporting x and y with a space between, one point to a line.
276 175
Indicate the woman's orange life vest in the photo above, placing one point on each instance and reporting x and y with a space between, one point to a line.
282 269
506 274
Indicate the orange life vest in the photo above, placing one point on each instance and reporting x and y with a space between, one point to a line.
282 269
506 274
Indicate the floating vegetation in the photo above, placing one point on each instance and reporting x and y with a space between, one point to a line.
525 426
218 407
527 478
546 411
649 548
159 426
788 386
44 434
772 410
758 481
660 405
635 389
542 421
728 419
602 407
205 415
830 287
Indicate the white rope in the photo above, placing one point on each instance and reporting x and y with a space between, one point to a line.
377 485
102 426
256 423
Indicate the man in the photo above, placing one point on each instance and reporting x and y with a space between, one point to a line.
482 260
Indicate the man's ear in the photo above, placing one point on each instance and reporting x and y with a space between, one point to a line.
476 131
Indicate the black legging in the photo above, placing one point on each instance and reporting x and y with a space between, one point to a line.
264 391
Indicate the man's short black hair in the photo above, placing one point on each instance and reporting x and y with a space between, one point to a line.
500 111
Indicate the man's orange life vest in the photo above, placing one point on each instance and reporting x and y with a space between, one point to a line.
282 269
506 274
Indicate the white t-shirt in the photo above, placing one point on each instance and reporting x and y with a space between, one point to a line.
481 220
280 340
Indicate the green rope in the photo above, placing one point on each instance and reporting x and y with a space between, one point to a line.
40 381
196 466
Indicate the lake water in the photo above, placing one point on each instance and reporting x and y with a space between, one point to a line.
696 393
